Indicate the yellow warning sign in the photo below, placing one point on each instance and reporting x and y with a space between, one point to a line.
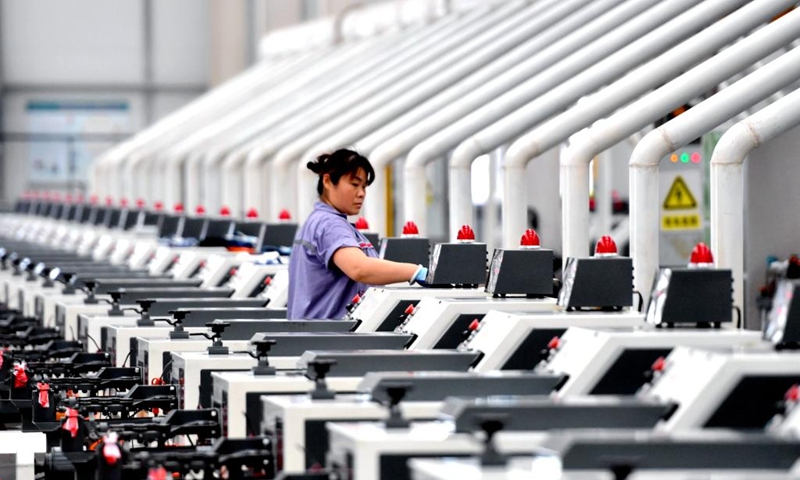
679 196
689 221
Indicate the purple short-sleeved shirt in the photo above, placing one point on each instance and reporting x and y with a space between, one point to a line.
317 288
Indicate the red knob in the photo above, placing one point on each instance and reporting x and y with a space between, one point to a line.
225 211
466 233
362 224
605 246
284 215
793 394
474 325
659 364
409 309
530 238
356 299
554 343
109 201
252 213
701 254
178 207
94 199
140 203
200 210
158 206
410 228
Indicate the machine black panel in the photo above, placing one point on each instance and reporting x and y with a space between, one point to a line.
526 356
395 467
194 228
393 319
627 373
455 334
280 234
751 404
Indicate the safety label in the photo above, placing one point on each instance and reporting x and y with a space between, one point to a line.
679 196
689 221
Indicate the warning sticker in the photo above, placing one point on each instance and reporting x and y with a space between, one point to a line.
689 221
679 196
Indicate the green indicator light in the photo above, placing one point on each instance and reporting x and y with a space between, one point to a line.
684 157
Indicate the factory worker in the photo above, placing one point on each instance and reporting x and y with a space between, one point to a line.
331 261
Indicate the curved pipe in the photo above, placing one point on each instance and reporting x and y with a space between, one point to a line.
408 92
355 104
645 218
644 78
727 179
575 161
396 138
555 89
311 115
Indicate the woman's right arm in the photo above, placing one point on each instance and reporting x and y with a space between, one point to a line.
372 271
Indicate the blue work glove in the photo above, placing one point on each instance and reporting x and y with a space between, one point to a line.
419 276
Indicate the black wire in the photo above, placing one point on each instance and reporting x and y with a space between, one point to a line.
249 422
124 362
164 370
93 341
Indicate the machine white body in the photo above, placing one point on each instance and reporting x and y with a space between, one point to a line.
434 318
231 390
365 443
500 334
549 468
249 278
187 366
191 261
378 304
277 292
586 355
292 412
150 356
19 450
699 380
67 314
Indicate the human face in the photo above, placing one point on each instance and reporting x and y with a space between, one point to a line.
348 195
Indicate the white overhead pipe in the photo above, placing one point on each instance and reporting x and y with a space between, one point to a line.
727 179
150 160
350 74
176 118
354 104
171 160
569 66
313 77
135 165
244 131
296 121
645 211
398 136
644 111
195 113
605 101
462 62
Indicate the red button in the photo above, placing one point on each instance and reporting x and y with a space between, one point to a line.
409 309
474 325
554 343
659 364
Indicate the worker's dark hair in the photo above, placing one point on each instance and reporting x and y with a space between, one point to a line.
338 164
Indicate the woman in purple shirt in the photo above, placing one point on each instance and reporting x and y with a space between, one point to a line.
332 261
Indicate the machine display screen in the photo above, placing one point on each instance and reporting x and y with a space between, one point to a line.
218 228
280 235
170 226
193 228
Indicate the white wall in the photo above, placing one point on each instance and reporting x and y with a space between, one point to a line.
95 50
771 226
